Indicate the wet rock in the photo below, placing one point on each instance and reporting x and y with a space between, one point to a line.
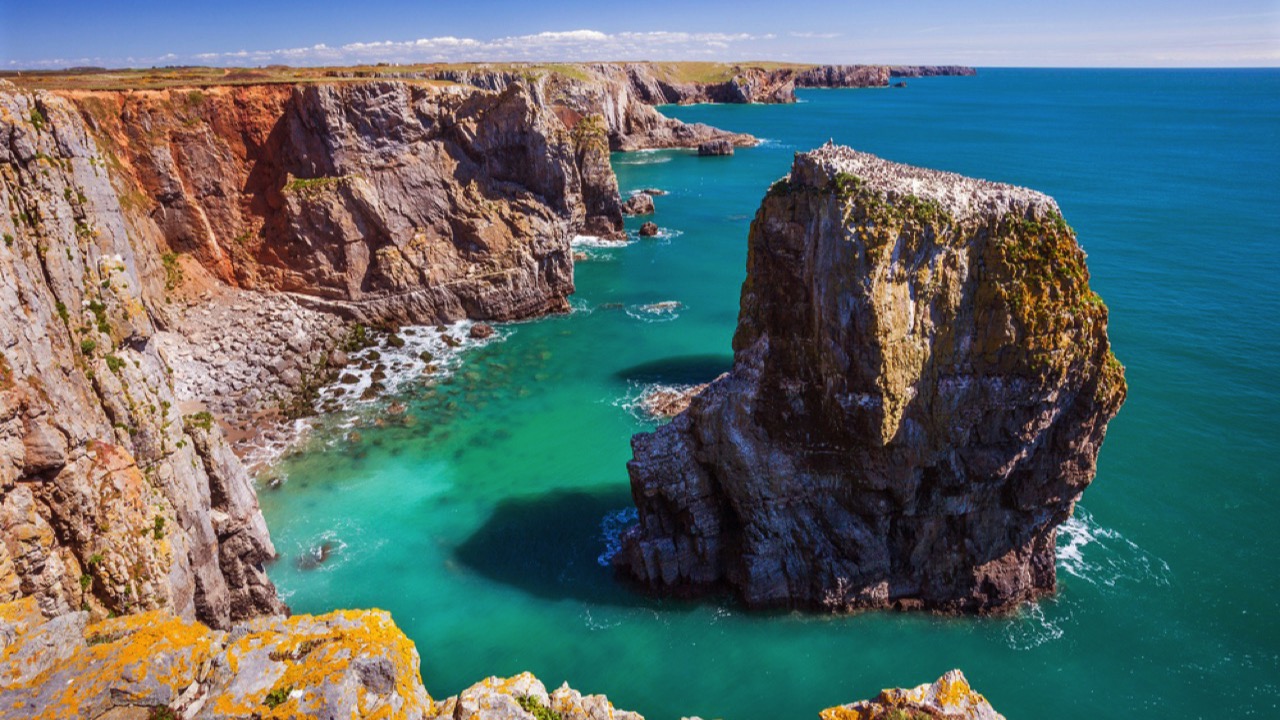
715 147
480 331
638 204
648 229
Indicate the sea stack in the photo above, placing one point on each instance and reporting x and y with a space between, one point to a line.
922 381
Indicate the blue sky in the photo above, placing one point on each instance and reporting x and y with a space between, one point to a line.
59 33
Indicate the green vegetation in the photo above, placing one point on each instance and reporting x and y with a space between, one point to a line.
88 345
8 240
62 311
358 337
114 363
37 119
157 528
162 712
277 697
94 560
591 134
312 186
172 270
202 420
534 706
85 581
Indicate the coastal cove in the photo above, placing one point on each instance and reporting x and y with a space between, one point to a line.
480 515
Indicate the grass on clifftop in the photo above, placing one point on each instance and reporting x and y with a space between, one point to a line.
204 77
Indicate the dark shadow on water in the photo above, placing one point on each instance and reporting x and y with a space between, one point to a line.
681 369
548 546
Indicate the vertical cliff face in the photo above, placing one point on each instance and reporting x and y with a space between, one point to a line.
110 499
383 200
922 382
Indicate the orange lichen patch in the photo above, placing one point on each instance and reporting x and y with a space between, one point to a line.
144 658
307 655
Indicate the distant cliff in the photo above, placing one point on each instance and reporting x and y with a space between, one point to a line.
922 381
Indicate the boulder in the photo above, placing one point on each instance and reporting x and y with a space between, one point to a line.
638 204
648 229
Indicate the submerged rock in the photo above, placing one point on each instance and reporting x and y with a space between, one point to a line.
922 381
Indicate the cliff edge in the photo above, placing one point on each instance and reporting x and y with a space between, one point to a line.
922 381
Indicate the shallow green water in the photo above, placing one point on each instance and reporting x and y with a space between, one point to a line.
479 524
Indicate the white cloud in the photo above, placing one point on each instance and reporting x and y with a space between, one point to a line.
570 45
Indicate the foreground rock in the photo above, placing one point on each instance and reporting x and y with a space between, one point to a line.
922 381
950 698
648 229
345 664
715 147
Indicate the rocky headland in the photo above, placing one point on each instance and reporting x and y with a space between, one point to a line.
922 381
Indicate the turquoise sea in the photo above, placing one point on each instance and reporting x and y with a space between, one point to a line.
479 521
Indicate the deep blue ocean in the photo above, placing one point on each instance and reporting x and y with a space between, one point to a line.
479 522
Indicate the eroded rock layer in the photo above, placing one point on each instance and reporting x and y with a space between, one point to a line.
922 382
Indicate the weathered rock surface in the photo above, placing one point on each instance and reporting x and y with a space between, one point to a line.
649 229
922 382
950 698
668 401
346 664
715 147
111 498
638 204
382 201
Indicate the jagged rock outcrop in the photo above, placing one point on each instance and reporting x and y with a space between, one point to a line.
950 698
110 498
715 147
922 381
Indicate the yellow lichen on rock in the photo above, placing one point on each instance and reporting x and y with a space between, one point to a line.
950 698
349 663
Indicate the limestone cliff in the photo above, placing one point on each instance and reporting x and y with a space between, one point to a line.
922 382
383 200
170 252
347 664
110 499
